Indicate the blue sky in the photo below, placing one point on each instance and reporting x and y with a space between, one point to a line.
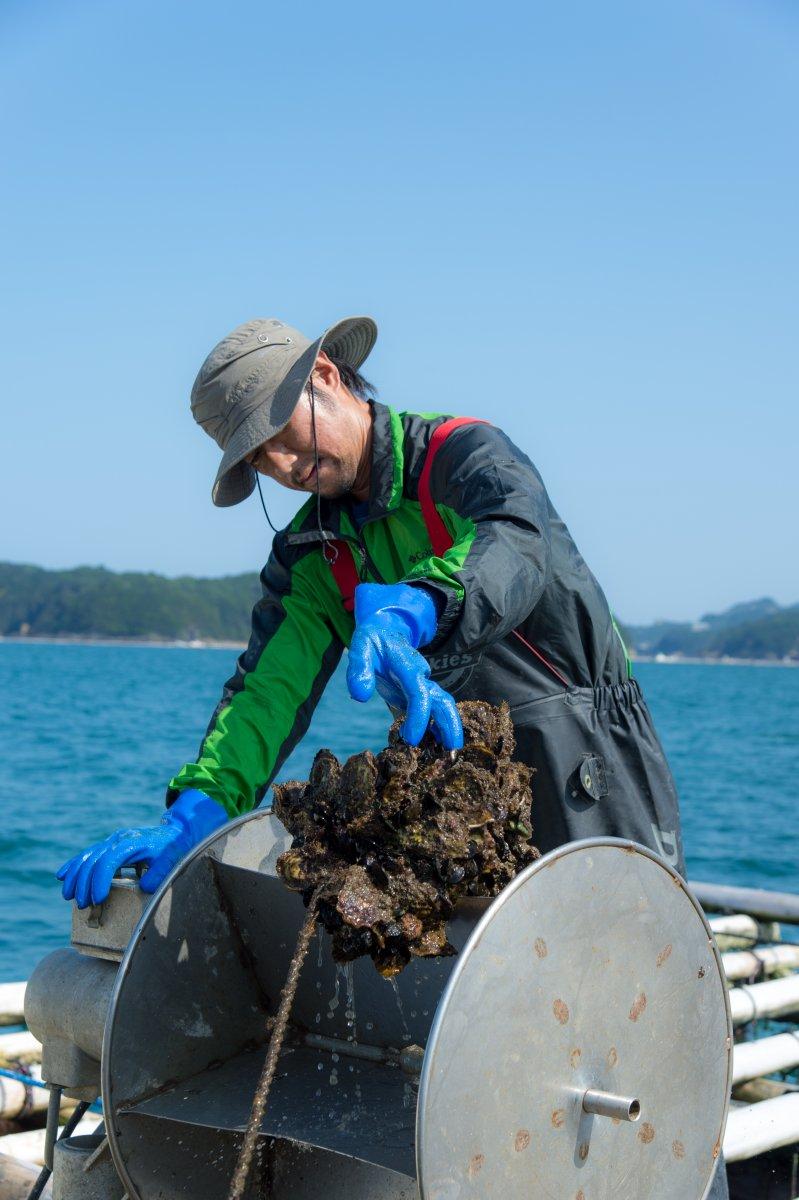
577 220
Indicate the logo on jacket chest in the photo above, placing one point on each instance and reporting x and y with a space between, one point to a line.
451 662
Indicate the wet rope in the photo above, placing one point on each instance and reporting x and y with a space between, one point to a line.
275 1045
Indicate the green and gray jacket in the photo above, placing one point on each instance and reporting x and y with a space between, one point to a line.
513 566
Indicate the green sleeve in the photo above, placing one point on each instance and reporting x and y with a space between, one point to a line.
444 571
267 705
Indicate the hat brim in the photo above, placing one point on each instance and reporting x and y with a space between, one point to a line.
351 340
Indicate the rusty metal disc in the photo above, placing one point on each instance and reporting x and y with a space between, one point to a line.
595 969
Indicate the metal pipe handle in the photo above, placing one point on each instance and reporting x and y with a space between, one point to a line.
607 1104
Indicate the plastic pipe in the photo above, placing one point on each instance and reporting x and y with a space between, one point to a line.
750 1060
12 1003
20 1045
19 1094
755 1128
777 998
738 926
763 960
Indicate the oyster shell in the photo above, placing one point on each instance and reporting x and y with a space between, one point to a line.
395 839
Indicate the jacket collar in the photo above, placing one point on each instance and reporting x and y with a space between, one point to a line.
386 478
385 487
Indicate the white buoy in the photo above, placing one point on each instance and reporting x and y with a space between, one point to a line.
20 1046
755 1128
30 1144
751 1060
776 998
12 1003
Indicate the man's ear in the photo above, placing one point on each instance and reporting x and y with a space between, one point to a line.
326 373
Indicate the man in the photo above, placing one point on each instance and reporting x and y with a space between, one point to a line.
464 583
504 609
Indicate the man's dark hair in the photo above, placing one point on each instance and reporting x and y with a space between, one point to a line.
353 380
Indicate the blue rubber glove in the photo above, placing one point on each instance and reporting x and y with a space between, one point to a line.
87 877
391 621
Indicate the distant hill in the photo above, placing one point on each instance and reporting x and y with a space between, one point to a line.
93 602
739 614
758 629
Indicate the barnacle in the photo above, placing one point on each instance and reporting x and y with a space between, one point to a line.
395 839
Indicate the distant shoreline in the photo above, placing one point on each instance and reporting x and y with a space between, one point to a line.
669 660
676 660
156 643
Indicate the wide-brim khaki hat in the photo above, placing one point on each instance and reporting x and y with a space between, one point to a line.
251 382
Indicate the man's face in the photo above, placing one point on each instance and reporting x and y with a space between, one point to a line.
289 459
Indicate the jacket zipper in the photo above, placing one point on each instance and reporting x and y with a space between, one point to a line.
364 556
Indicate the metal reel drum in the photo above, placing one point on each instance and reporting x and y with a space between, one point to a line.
593 982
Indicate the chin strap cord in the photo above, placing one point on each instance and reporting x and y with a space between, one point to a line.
263 506
325 537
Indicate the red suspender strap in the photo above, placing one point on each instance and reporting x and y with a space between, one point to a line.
440 537
343 566
345 573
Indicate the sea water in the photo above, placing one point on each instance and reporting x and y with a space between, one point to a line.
90 736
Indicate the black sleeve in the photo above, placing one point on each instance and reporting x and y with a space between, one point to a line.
499 517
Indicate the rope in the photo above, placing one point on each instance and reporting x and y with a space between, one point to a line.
21 1076
275 1045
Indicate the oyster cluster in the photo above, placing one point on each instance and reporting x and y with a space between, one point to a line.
393 840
